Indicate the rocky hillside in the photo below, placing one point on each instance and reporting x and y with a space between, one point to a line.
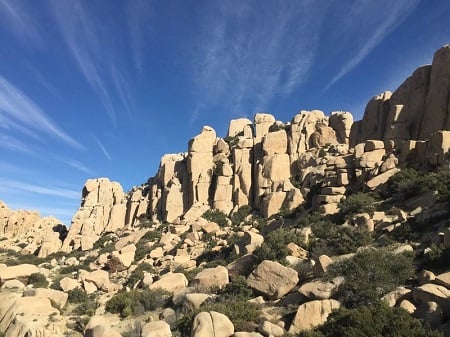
293 228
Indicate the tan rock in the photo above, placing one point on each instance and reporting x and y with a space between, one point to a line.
56 296
29 316
262 124
341 122
156 329
312 314
98 326
277 167
381 178
433 293
133 237
275 143
170 282
212 324
270 329
435 116
408 306
101 280
321 265
195 300
210 278
67 284
320 290
19 272
13 284
249 242
397 295
272 279
363 221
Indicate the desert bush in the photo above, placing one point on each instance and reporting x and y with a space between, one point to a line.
138 274
77 295
371 274
373 320
237 290
240 215
214 215
85 308
275 244
357 203
38 280
137 301
411 182
338 238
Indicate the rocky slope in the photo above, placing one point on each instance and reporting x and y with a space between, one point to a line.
252 224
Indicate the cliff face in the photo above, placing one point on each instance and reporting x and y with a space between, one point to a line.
419 107
258 163
42 234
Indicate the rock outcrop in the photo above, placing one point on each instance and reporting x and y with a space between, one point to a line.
417 109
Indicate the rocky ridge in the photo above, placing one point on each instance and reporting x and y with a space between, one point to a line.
202 209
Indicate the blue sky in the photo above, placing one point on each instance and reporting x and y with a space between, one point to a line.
105 88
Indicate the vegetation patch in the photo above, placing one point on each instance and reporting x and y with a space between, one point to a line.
214 215
136 302
373 320
371 274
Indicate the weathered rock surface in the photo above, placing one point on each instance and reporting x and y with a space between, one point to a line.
273 279
212 324
312 314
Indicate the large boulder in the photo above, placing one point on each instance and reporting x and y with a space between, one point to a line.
29 316
312 314
20 272
98 326
170 282
210 278
212 324
156 329
272 279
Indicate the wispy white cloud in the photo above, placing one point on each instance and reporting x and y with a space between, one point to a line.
14 186
97 55
13 144
139 15
23 114
379 19
247 57
15 17
102 147
79 33
79 166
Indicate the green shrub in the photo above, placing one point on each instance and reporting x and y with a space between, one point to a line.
339 239
137 301
240 215
85 308
236 290
214 215
138 274
69 270
374 320
77 295
38 280
275 244
142 249
411 182
371 274
357 203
